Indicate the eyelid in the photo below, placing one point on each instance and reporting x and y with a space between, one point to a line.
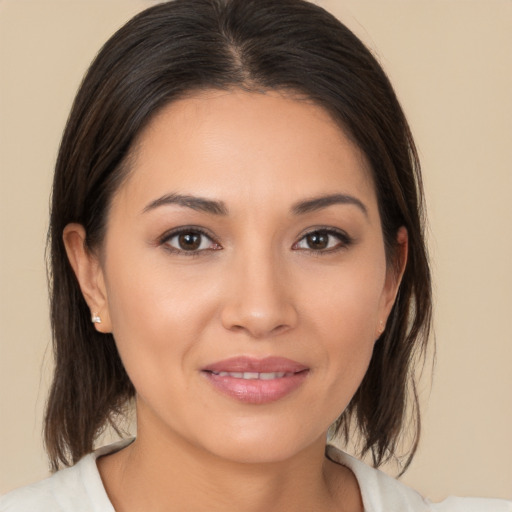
345 239
171 233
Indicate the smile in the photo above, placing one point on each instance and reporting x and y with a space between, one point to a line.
256 381
254 375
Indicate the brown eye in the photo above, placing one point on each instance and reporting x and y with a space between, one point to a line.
318 240
323 240
189 241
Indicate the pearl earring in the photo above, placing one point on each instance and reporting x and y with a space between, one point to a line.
95 318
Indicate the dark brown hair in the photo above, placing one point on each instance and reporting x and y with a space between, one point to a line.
182 46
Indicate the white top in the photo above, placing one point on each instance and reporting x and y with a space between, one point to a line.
80 489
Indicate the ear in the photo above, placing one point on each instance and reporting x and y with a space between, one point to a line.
394 274
89 274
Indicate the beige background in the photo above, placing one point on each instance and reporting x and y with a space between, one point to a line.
451 63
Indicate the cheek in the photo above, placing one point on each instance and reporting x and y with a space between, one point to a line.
347 299
343 309
154 321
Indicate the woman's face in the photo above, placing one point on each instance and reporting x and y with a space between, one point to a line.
243 274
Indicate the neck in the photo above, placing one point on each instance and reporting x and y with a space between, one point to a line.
173 474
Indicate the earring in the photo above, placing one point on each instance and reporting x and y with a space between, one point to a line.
95 318
381 327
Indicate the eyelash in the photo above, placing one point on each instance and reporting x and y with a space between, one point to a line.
187 230
344 241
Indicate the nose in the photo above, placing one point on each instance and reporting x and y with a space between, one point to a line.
259 301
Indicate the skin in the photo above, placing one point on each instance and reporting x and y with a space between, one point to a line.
254 287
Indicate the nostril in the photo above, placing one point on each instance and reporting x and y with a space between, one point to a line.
280 328
259 330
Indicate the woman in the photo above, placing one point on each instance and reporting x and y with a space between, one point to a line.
236 244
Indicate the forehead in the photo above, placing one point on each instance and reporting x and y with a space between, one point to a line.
243 146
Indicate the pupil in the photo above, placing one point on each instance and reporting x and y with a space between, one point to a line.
318 240
189 241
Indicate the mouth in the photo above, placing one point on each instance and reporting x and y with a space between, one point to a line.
256 381
254 375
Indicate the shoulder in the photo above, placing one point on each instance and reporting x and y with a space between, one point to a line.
454 504
63 491
382 493
75 489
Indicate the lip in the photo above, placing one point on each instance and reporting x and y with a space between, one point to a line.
256 390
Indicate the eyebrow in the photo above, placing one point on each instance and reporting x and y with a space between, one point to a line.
318 203
219 208
195 203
